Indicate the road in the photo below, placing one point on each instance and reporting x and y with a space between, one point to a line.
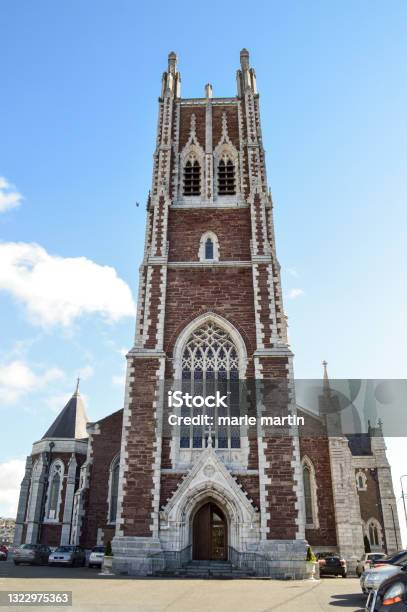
93 592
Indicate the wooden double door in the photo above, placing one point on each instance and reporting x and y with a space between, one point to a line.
209 534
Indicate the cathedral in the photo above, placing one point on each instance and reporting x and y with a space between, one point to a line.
210 320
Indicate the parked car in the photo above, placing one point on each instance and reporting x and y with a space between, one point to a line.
367 561
373 578
399 558
3 552
34 554
67 555
391 595
331 564
96 556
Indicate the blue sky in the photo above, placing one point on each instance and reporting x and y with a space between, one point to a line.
78 108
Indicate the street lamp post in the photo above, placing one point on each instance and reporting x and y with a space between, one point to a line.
394 526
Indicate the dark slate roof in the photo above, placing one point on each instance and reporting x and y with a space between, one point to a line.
360 444
71 421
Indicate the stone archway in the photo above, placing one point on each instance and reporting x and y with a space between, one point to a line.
209 533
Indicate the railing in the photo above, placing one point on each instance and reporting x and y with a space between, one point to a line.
170 559
249 561
177 558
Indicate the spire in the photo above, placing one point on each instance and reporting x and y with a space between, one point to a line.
71 421
326 385
246 76
208 91
171 81
244 59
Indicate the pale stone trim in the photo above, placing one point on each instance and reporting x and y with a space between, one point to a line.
209 263
201 252
306 462
61 446
52 472
113 464
360 477
209 479
69 501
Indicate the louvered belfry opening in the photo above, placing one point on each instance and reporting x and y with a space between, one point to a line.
192 178
226 178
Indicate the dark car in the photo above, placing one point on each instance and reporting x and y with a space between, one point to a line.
331 564
3 553
391 595
67 555
399 558
34 554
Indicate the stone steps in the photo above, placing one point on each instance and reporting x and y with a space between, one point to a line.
206 569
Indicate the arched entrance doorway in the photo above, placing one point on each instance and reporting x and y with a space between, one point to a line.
209 534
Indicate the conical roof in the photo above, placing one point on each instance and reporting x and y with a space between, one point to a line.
71 421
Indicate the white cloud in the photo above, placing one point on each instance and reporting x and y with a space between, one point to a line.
9 197
57 290
11 475
293 272
17 379
119 379
86 372
294 293
57 402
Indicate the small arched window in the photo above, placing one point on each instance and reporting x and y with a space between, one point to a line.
209 248
114 489
226 177
192 178
361 481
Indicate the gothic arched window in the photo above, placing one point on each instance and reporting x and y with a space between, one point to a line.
114 489
361 481
54 490
310 494
374 532
192 178
208 249
226 177
309 515
210 363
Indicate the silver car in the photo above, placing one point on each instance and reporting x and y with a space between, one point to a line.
34 554
97 556
371 579
67 555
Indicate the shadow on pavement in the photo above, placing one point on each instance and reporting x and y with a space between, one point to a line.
346 600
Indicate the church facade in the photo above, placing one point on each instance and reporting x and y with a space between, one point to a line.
210 317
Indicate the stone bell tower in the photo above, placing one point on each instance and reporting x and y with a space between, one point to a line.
209 310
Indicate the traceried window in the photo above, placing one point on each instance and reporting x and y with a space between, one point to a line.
114 489
192 178
373 535
54 491
210 363
309 514
226 177
373 527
